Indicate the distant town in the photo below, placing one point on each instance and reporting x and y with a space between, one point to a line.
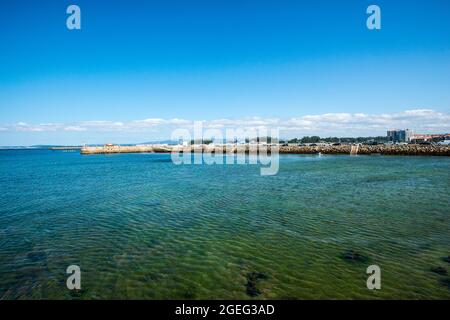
392 137
405 136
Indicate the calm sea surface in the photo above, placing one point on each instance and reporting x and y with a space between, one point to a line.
140 227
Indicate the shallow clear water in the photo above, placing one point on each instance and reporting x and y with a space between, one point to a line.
141 227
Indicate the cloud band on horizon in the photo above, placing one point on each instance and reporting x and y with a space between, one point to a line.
329 124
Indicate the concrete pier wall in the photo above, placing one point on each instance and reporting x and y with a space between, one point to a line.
125 149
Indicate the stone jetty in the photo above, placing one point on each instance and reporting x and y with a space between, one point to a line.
407 150
410 149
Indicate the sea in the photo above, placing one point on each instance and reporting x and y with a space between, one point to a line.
141 227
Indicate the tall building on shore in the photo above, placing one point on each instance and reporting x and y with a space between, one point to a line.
408 135
400 135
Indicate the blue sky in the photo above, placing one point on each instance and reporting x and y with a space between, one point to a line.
216 60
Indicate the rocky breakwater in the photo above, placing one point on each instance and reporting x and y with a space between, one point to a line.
410 149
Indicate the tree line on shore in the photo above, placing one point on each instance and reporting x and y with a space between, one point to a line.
306 139
316 139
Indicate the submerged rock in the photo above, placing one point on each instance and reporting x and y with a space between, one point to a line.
78 293
446 259
189 295
252 280
352 255
439 270
446 282
37 256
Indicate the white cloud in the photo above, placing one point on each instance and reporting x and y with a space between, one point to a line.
176 121
150 122
75 128
340 124
25 127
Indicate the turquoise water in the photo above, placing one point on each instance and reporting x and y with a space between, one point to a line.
140 227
